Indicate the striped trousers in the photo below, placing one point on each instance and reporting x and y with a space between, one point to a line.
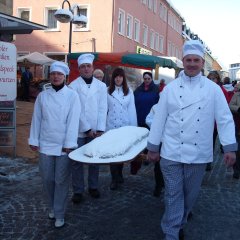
56 172
182 186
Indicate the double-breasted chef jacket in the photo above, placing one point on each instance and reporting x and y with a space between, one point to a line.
184 121
93 100
121 109
55 121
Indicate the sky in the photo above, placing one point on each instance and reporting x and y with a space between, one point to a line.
217 23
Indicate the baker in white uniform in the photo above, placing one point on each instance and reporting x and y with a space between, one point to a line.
184 123
93 99
53 133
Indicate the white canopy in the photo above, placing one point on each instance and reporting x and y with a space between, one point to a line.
36 58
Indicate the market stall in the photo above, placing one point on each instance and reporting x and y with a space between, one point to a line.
35 61
126 59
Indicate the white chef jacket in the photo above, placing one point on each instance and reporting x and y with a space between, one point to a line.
121 109
184 121
55 121
93 100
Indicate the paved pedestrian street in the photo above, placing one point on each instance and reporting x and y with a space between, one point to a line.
128 213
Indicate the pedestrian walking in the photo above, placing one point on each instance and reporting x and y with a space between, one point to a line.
26 79
121 112
184 124
93 99
54 132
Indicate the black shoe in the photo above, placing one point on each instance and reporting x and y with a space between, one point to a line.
77 198
181 234
94 193
190 215
236 175
113 185
209 167
157 191
120 179
146 163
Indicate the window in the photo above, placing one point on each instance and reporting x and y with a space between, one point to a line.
170 19
121 22
173 51
156 41
169 49
152 39
136 29
50 20
161 42
129 26
154 6
177 53
163 12
24 13
150 4
145 35
83 10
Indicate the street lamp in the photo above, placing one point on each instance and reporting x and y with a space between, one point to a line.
67 16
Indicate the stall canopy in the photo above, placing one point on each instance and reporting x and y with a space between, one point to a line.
125 59
129 60
13 25
10 25
178 62
35 58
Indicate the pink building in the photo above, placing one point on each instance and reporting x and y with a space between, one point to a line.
143 26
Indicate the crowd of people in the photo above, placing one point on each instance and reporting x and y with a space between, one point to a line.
179 115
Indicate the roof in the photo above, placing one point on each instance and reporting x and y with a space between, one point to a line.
14 25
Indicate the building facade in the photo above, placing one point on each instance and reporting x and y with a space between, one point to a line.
143 26
234 71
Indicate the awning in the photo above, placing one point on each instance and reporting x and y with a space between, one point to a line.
126 59
176 60
36 58
13 25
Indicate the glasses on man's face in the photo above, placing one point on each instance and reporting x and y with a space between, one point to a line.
147 78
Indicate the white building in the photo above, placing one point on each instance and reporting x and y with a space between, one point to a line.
234 71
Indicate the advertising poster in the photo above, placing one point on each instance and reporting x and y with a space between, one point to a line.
8 70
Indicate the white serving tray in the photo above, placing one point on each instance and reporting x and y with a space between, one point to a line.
77 155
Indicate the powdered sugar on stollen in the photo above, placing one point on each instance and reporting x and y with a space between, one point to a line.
115 142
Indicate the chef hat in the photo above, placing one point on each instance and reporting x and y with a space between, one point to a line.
85 58
194 47
61 67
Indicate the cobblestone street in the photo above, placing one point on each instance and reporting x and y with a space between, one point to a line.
129 213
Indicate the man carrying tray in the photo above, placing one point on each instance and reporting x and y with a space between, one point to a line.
184 123
93 98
